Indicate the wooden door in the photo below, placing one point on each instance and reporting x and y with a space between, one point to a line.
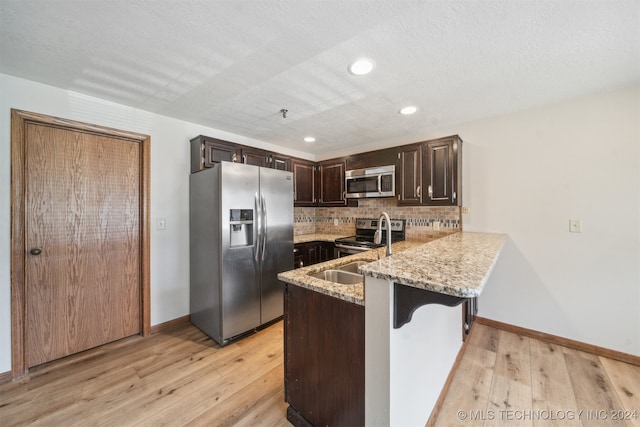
82 240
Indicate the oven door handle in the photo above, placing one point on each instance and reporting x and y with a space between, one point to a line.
351 248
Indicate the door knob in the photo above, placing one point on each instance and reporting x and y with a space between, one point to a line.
35 251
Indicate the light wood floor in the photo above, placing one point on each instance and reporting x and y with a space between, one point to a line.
181 377
176 378
511 380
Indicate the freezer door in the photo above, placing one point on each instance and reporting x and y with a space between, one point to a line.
240 287
276 188
204 246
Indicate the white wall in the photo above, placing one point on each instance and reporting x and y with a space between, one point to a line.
527 174
170 167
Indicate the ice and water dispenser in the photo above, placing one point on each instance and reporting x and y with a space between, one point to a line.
241 227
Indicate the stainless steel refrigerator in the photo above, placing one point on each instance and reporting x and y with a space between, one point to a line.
241 237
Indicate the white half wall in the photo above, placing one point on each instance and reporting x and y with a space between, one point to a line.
170 168
406 368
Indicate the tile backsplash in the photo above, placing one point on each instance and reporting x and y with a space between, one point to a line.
419 219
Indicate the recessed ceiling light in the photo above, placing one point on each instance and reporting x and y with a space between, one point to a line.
361 67
408 110
309 139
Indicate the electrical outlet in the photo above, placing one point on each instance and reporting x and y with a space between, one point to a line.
161 224
575 226
336 222
436 225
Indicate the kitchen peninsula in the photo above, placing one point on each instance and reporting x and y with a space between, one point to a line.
405 367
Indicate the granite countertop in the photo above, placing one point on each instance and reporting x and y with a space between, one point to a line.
322 237
458 264
352 293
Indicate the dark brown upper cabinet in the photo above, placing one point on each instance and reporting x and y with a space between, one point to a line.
372 159
441 172
409 174
429 173
207 151
280 162
332 183
255 157
304 183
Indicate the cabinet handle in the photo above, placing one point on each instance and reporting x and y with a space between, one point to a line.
234 158
430 191
244 159
380 183
417 192
454 197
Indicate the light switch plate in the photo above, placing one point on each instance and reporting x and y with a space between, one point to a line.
575 226
161 224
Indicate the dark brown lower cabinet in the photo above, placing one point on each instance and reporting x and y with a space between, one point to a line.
323 360
309 253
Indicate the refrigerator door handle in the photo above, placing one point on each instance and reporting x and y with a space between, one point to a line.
264 225
258 233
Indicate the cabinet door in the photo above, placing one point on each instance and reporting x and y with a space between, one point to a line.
327 251
207 151
332 184
409 175
323 359
218 151
280 162
301 255
304 184
372 159
441 172
255 157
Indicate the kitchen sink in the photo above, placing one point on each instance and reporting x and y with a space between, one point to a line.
352 267
339 276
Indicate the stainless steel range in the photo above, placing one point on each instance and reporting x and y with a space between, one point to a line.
363 239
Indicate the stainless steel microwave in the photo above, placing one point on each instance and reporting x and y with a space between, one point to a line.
370 182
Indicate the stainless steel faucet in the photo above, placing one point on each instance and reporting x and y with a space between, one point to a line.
377 238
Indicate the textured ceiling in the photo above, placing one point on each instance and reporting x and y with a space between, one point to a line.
232 65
